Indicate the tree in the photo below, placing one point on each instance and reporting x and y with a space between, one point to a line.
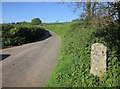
36 21
99 12
116 10
93 8
88 9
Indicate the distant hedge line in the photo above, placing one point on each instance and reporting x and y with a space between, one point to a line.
18 35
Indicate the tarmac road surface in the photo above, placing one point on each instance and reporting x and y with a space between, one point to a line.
30 65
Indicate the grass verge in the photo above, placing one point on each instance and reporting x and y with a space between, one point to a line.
73 67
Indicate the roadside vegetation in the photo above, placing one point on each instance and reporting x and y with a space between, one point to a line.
21 33
99 23
59 28
73 67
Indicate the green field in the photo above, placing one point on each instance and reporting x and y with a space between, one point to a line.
59 28
73 66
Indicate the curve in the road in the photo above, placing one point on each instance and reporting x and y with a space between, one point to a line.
30 65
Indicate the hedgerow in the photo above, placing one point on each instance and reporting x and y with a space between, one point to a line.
73 67
16 35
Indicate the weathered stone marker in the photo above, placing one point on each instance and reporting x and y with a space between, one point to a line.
98 59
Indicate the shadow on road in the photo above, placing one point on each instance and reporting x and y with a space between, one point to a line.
4 56
46 35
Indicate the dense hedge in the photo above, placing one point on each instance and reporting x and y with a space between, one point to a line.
17 35
73 68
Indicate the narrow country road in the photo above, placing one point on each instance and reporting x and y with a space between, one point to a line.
30 65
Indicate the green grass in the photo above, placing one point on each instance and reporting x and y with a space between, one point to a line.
73 67
59 28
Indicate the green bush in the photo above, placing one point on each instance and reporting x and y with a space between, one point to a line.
20 34
36 21
6 30
73 69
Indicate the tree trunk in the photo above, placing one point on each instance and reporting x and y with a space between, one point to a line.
118 10
88 9
93 8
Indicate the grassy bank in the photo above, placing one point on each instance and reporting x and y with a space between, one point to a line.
59 28
73 67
